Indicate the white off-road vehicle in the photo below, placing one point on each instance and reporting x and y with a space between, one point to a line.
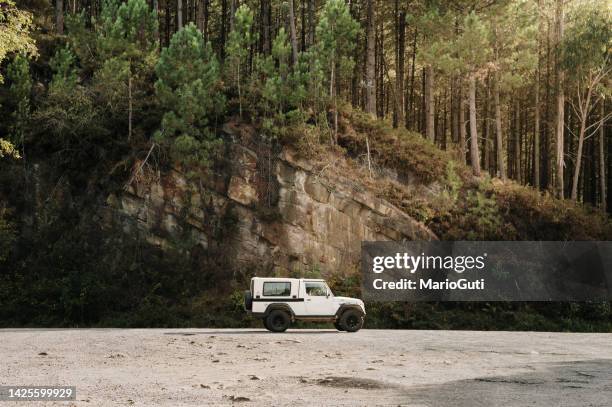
282 301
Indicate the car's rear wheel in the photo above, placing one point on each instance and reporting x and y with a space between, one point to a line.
265 323
248 300
338 326
278 321
351 321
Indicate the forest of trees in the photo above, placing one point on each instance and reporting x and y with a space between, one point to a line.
517 90
517 87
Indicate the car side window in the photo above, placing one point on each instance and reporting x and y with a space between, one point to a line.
316 289
277 289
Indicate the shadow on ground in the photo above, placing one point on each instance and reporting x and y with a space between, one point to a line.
576 383
259 332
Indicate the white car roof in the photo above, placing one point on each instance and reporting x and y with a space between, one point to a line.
286 279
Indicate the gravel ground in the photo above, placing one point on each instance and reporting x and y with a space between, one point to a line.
195 367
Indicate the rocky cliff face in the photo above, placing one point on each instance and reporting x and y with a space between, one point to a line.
272 211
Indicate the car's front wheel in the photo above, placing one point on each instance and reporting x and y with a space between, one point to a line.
351 320
277 321
338 326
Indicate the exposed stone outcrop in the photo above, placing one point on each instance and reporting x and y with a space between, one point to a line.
311 221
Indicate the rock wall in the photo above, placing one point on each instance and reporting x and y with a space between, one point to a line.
291 220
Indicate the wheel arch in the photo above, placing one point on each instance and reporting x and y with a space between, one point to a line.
279 306
346 307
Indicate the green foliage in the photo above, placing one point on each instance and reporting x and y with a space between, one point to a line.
68 118
336 33
18 74
284 89
128 29
239 41
536 216
7 149
483 218
15 28
436 28
8 234
588 40
188 91
473 51
83 41
513 33
63 65
127 50
404 151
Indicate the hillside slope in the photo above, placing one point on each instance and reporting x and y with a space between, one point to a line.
142 242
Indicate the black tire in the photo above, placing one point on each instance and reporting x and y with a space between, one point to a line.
248 300
265 323
351 320
277 321
338 326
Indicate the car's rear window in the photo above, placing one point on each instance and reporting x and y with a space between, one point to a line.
277 289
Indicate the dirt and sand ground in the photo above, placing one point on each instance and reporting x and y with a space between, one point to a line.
199 367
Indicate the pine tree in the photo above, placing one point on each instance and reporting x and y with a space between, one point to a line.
127 45
586 53
336 33
239 42
68 115
512 36
189 91
436 30
64 71
18 74
15 27
473 53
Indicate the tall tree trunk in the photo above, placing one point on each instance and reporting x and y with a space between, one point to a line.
462 129
200 15
429 104
474 154
486 162
223 28
265 27
560 119
536 130
370 60
293 33
167 22
444 140
517 140
547 181
179 14
130 106
581 135
311 22
332 94
602 158
206 18
232 15
399 74
536 134
410 119
501 168
59 16
380 99
303 26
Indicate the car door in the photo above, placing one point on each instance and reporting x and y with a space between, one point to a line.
318 299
